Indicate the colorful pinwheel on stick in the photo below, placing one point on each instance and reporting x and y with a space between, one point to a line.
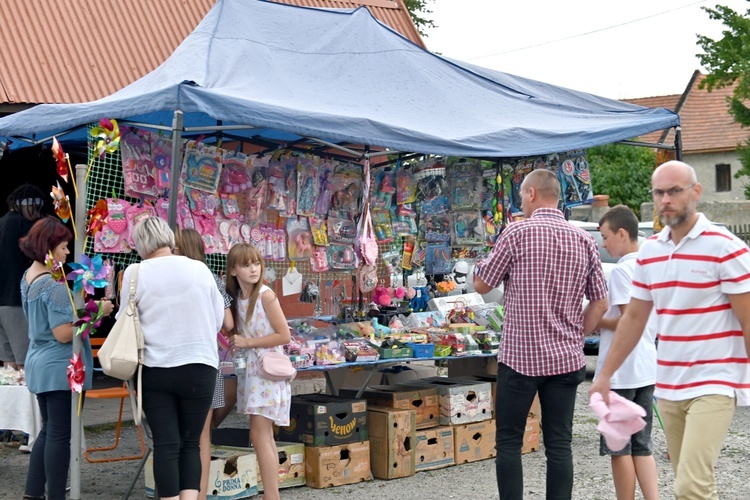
63 163
76 373
76 377
57 271
62 206
107 137
89 274
97 217
89 318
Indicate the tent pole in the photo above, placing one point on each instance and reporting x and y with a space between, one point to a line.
678 142
76 426
174 175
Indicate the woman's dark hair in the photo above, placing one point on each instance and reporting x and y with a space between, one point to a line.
44 236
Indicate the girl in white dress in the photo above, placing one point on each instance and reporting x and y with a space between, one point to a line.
259 324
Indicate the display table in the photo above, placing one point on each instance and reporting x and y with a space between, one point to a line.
19 411
372 367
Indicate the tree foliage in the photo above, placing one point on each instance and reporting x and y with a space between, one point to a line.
728 63
622 172
419 12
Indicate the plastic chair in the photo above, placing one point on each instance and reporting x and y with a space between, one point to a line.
120 393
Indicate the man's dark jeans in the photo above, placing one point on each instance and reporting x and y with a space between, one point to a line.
557 395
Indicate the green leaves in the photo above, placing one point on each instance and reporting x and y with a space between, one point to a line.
623 172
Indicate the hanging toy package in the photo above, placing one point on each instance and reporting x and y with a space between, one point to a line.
138 170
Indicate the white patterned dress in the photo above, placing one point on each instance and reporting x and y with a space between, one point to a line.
256 395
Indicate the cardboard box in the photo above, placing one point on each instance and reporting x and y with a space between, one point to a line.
291 465
461 401
423 400
392 440
323 420
233 474
336 465
434 448
531 436
536 407
474 442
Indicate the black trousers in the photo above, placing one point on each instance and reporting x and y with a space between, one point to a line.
176 402
557 395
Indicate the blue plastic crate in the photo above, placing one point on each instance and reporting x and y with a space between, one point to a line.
422 350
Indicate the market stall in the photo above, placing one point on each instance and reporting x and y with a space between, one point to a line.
286 126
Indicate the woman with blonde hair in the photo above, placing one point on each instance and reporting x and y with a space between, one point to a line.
188 242
259 324
180 311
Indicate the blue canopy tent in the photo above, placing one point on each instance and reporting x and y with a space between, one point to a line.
262 69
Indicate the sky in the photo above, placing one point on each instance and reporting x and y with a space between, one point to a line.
614 49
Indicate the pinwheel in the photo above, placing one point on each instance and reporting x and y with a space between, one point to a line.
97 217
63 163
57 271
62 206
107 137
55 268
89 274
89 318
76 377
76 373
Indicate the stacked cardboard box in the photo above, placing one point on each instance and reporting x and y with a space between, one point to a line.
323 420
461 401
392 439
327 466
334 431
291 465
434 448
232 474
423 400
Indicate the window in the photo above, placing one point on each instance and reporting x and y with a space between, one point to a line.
723 178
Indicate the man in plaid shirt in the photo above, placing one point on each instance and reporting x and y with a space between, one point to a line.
548 266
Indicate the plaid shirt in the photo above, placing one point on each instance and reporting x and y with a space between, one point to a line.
548 265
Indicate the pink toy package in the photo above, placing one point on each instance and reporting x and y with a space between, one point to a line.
229 231
136 213
113 237
206 226
184 215
138 170
202 203
235 175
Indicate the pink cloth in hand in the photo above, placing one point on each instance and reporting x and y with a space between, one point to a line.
618 421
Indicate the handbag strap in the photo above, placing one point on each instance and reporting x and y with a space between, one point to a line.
136 394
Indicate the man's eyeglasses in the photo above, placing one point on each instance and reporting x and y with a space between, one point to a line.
672 192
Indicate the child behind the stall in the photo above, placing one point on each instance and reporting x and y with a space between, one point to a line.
259 324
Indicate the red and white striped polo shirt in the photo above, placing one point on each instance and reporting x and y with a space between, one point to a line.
701 346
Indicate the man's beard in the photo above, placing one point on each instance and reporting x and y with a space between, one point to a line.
675 219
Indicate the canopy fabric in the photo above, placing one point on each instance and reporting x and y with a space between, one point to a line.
342 76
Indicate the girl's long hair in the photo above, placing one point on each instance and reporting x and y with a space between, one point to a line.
190 244
239 255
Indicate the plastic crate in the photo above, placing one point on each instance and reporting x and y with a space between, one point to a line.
422 350
402 351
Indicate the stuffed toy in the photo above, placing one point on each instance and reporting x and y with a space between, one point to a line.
381 297
419 302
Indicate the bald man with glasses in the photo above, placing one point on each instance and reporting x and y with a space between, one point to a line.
696 275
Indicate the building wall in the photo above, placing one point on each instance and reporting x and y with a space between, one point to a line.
729 212
705 168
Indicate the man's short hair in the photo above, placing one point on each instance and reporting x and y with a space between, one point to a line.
546 183
621 217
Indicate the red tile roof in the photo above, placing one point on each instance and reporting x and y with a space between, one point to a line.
707 126
63 51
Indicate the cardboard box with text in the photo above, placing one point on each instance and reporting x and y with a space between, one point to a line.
392 438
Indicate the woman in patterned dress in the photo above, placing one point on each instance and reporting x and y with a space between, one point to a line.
259 324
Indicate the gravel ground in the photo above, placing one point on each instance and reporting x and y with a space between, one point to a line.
469 481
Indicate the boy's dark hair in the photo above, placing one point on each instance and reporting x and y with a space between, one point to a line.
621 217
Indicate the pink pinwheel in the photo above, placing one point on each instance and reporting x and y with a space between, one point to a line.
76 373
89 274
89 319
